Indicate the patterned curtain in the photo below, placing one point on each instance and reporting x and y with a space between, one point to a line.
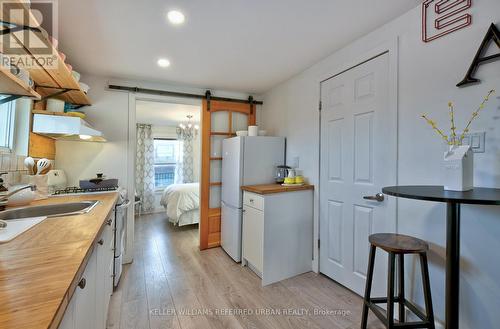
179 164
184 172
144 167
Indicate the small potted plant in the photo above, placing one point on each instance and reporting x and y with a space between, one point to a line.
458 159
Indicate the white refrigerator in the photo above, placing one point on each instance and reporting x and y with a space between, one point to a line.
245 161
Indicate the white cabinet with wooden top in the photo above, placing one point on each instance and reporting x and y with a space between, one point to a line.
277 234
104 281
88 307
80 313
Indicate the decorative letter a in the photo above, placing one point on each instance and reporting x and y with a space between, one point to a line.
492 35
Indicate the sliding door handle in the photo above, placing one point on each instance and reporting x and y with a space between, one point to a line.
377 197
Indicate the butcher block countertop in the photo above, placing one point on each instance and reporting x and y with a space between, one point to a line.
275 188
39 269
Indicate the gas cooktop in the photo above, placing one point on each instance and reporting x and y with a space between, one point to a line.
78 190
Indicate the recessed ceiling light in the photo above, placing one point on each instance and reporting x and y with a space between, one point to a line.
175 17
163 62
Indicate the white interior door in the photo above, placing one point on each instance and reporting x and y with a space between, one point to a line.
358 158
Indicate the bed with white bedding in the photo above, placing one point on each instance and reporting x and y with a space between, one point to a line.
182 203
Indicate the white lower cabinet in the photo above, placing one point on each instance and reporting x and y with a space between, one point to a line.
253 237
85 296
104 251
88 307
277 234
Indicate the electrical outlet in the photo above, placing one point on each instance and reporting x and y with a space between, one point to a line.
476 141
295 162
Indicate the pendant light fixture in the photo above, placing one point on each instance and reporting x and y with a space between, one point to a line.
188 129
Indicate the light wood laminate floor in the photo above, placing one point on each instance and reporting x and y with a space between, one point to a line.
171 284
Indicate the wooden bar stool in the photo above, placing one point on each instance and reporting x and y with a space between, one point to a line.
397 244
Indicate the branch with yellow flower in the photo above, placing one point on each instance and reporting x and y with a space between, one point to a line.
452 119
436 129
475 114
452 139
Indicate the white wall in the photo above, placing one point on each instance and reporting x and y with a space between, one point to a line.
428 74
160 131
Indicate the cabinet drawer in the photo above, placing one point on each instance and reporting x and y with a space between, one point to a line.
253 200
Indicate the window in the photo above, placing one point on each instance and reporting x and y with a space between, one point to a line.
7 117
166 151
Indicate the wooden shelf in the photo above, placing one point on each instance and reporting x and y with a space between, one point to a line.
55 75
12 85
216 184
77 97
216 159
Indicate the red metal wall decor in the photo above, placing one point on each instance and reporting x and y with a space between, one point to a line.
448 16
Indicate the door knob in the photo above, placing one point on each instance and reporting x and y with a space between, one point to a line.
82 283
377 197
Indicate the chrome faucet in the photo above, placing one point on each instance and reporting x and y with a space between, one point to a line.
4 198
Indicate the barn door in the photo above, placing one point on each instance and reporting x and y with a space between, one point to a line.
220 120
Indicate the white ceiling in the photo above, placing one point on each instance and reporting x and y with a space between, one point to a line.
165 114
234 45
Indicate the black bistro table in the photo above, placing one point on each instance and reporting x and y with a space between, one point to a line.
453 199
